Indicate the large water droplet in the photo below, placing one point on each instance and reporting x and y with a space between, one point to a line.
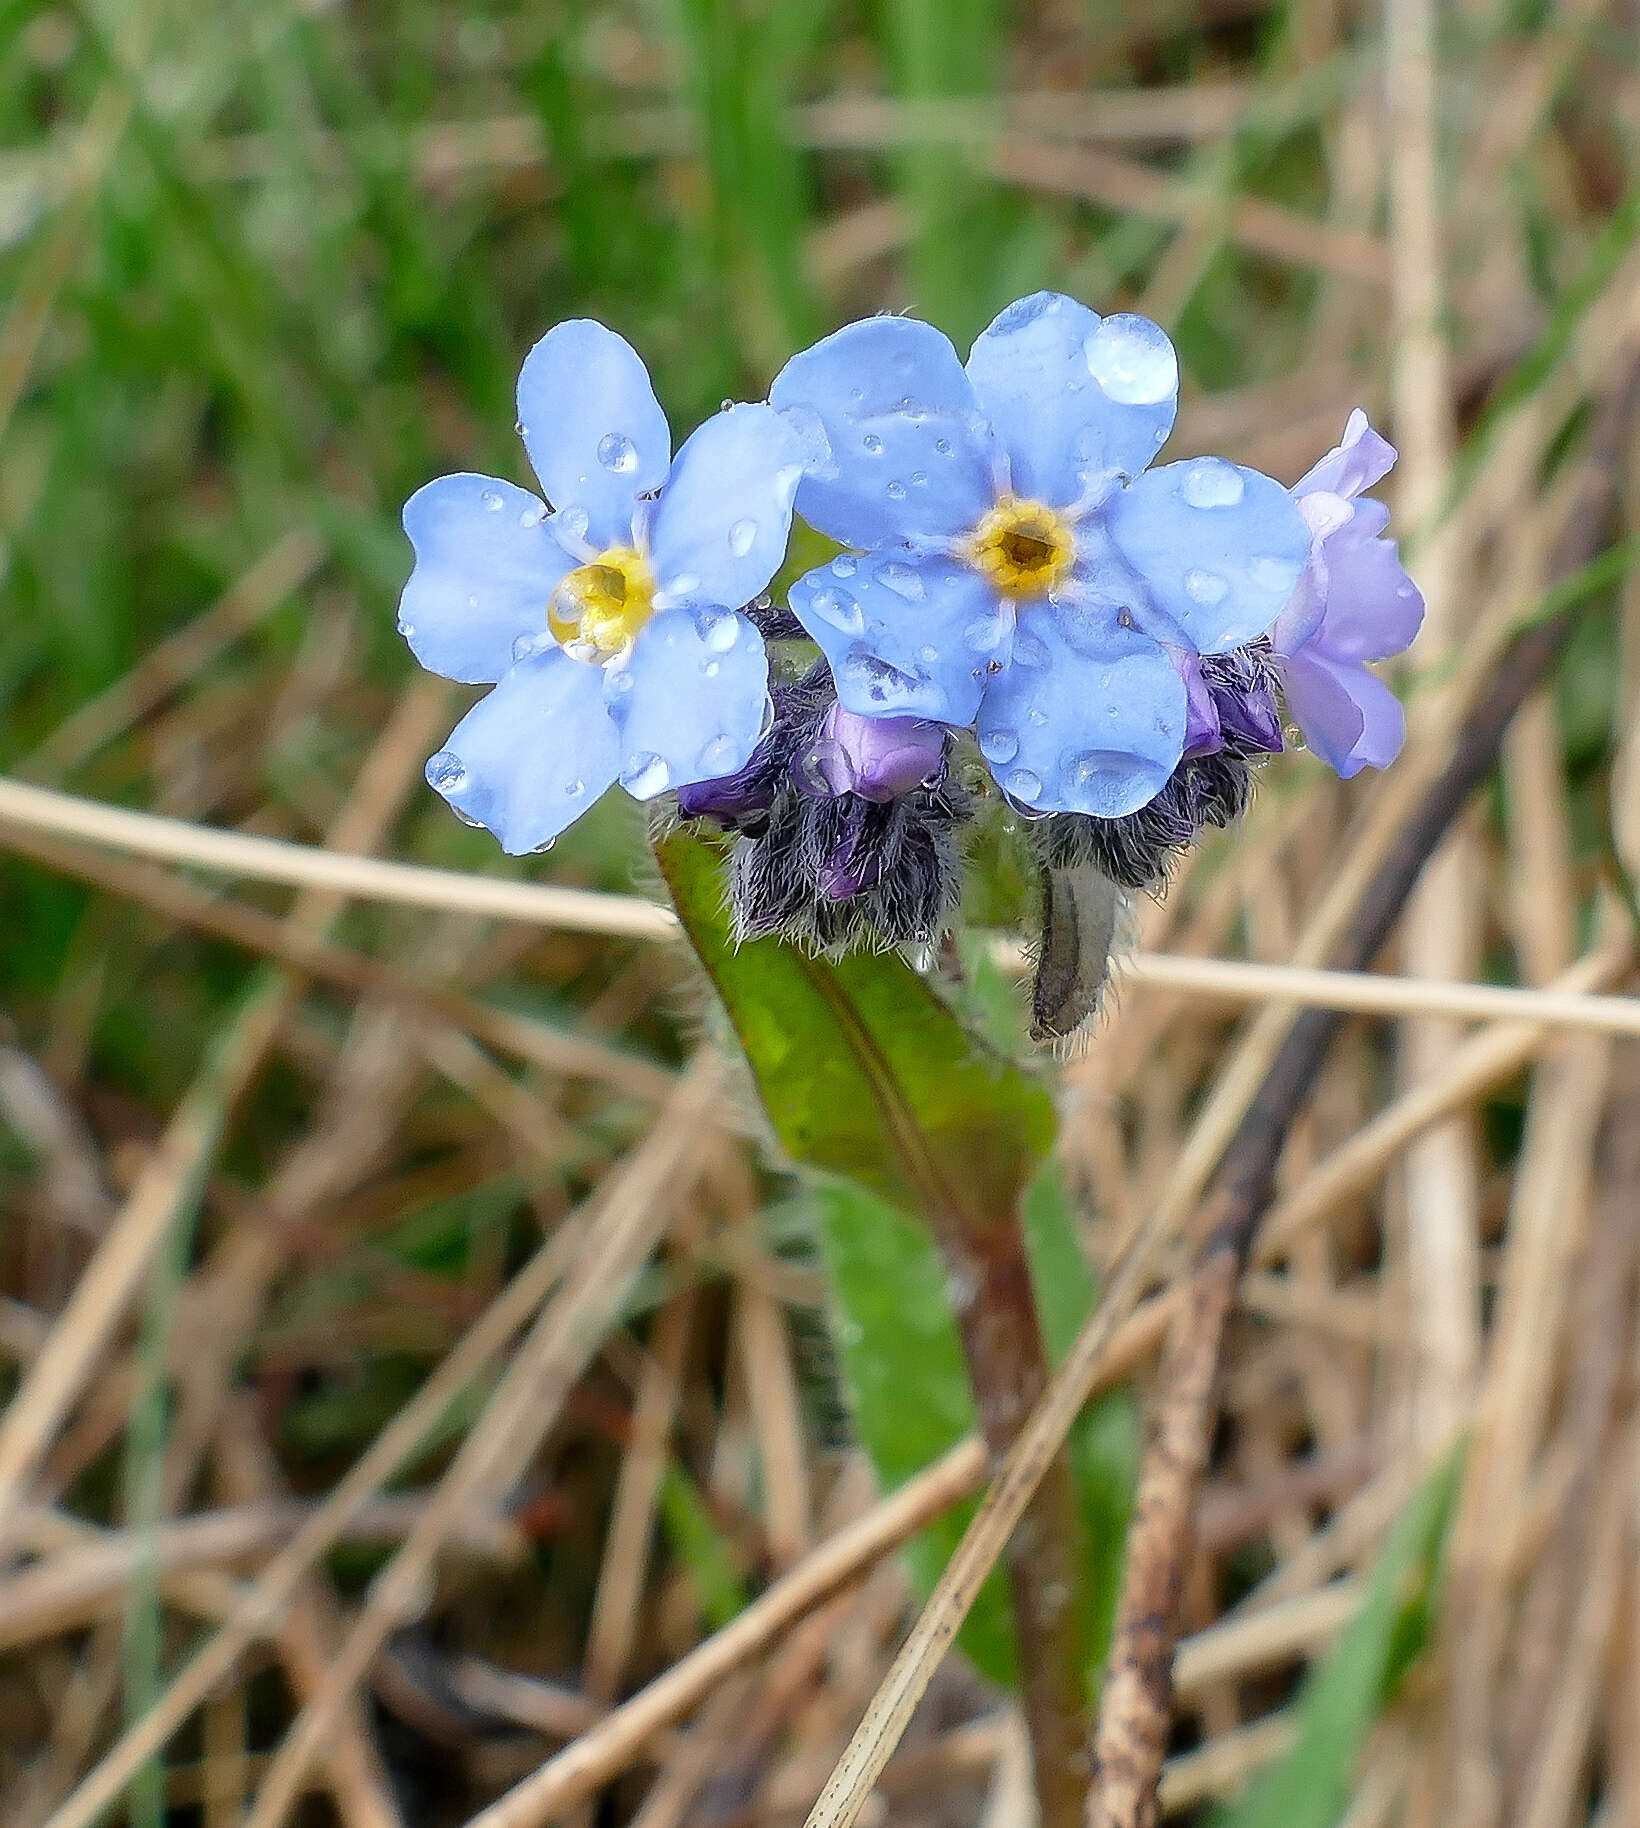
1204 586
999 745
904 580
1132 360
844 565
839 609
718 628
1273 575
645 775
445 771
876 679
617 452
718 757
1210 482
1028 651
741 536
1024 785
985 632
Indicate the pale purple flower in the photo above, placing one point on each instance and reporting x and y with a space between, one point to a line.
1354 603
878 758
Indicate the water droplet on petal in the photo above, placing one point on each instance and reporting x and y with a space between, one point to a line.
617 452
895 491
839 609
472 602
1036 717
645 775
844 565
904 580
1132 360
684 583
533 515
1029 651
928 654
741 536
525 645
943 446
871 444
445 771
1023 785
718 628
571 522
984 632
711 668
1274 575
574 789
718 757
999 745
919 479
492 501
876 679
1204 586
1210 482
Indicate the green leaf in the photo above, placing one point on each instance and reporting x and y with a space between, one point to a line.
702 1548
907 1384
1310 1786
865 1072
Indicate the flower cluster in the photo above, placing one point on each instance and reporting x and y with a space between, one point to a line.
1116 634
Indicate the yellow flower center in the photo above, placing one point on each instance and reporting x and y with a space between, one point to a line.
1023 548
598 609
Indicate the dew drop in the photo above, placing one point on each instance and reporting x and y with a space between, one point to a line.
1132 360
984 632
711 668
492 501
839 609
445 771
919 479
684 583
876 679
895 491
1210 482
645 775
1028 651
617 452
407 629
872 445
618 680
943 446
572 522
1273 575
472 602
741 536
1023 785
999 745
928 654
904 580
844 565
574 789
524 646
718 628
718 757
1204 586
1036 717
533 515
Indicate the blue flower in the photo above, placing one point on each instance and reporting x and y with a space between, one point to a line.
610 626
1016 564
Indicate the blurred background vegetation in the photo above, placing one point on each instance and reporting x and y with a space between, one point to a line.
266 269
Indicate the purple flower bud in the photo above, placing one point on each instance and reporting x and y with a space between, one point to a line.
1354 604
1202 733
876 758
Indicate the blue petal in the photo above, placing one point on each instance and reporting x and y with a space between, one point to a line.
593 428
910 454
533 755
724 517
1072 396
1218 548
1095 728
905 638
486 564
688 699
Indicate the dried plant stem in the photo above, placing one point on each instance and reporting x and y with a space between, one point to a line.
1135 1712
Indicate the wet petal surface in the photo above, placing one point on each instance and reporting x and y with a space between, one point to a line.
486 564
